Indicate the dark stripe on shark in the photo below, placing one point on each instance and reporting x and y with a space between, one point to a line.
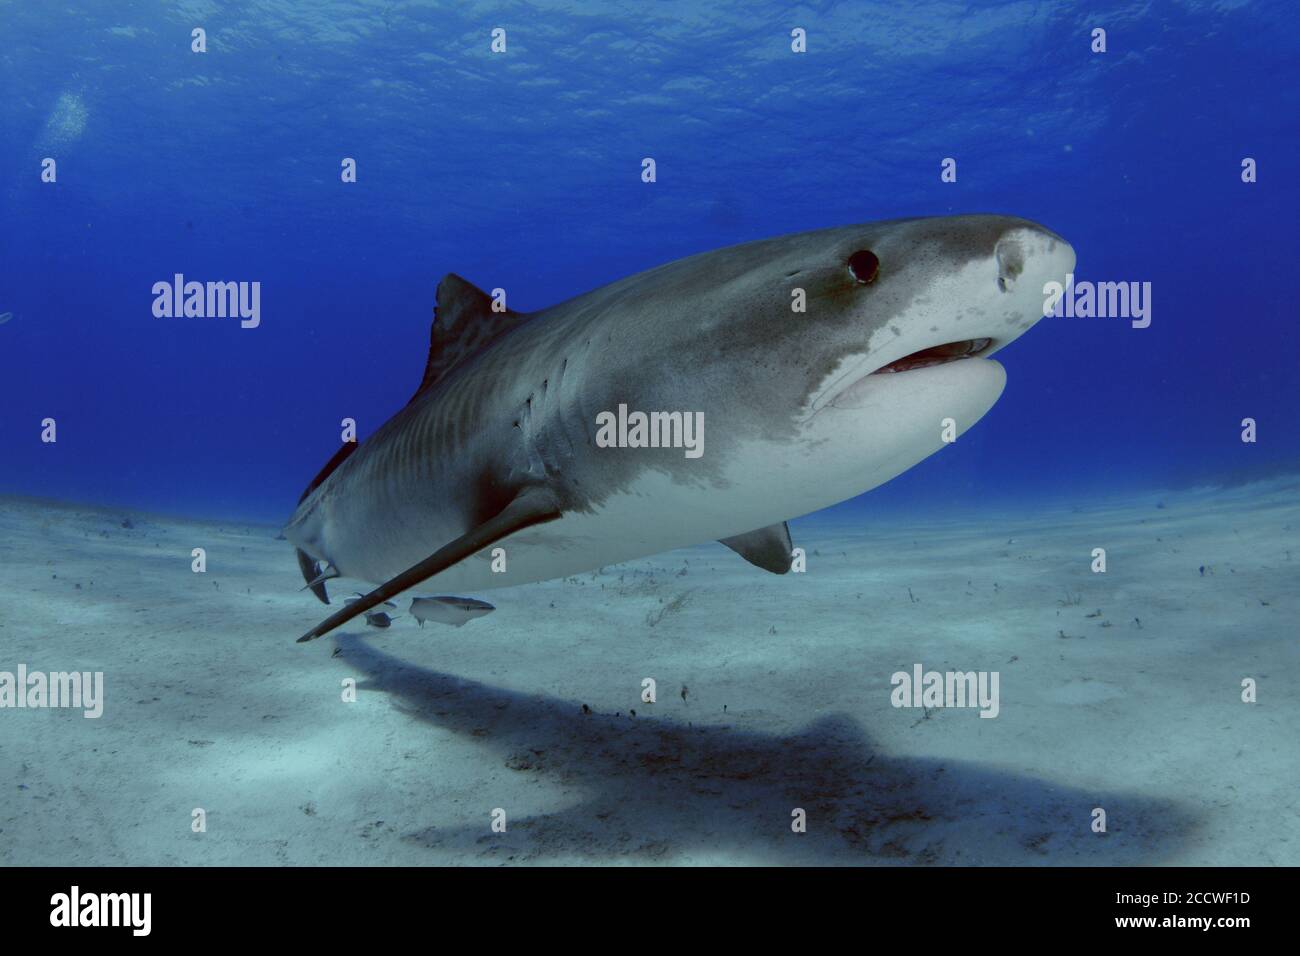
340 456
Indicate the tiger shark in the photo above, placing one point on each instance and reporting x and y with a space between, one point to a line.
814 367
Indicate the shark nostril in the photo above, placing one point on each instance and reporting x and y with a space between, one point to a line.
1010 257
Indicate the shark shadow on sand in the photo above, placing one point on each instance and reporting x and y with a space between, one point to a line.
649 789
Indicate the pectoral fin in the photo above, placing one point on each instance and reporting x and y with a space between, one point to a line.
767 548
530 507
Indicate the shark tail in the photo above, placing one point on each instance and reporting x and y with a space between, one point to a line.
312 573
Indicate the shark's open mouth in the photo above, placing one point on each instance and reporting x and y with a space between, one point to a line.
936 355
848 388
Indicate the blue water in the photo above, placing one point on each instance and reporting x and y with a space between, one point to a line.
522 170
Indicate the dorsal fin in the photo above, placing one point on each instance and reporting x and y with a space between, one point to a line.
463 323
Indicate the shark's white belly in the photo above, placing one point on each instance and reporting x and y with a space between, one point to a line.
895 422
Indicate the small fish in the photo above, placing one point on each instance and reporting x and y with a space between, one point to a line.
448 610
5 317
376 618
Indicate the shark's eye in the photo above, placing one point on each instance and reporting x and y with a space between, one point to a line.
863 266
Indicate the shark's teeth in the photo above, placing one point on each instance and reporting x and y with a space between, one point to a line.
936 355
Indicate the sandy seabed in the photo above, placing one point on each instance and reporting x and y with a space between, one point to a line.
1120 691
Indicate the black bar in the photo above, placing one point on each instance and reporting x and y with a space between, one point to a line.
209 906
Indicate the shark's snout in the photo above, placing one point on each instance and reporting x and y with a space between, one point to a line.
989 302
980 286
1026 260
1027 257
